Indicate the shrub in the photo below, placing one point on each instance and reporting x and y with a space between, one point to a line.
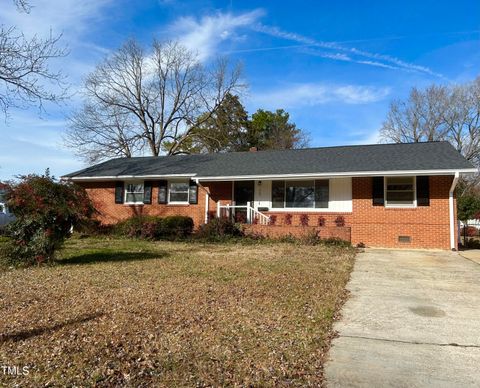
240 217
176 227
45 212
470 231
340 221
139 227
93 228
288 238
472 243
219 229
304 218
321 221
288 219
153 227
272 220
337 242
312 237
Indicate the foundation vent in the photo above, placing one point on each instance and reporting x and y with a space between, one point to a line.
404 239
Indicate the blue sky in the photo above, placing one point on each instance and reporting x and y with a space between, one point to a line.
334 65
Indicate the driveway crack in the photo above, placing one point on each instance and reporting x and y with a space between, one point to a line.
452 344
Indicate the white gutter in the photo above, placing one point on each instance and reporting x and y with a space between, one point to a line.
197 178
451 206
335 174
122 177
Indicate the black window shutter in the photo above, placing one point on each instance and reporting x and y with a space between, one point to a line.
193 193
147 192
162 191
378 191
119 192
423 191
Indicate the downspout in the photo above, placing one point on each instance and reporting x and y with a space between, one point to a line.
207 199
451 205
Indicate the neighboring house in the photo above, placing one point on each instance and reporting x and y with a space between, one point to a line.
5 215
385 195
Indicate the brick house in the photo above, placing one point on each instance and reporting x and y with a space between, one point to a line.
384 195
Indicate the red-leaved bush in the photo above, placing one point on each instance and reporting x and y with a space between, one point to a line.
470 232
304 219
45 212
321 221
272 220
288 219
340 221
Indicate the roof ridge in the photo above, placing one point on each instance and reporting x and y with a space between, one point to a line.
288 149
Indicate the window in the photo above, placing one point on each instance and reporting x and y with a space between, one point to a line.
278 194
178 192
400 191
134 192
3 208
322 194
300 194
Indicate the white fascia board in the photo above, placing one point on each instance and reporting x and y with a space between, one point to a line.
338 174
277 176
125 177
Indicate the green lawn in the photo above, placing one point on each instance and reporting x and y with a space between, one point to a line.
124 312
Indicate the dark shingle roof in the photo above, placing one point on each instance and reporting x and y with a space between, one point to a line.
344 159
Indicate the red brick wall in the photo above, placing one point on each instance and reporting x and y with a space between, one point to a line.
378 226
103 197
375 226
275 231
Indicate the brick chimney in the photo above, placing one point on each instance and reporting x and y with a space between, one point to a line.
253 149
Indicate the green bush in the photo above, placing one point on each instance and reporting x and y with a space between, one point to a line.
337 242
154 228
91 227
219 229
176 227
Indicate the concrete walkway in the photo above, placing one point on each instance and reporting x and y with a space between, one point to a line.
412 320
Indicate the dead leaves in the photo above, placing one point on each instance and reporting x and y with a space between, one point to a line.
205 315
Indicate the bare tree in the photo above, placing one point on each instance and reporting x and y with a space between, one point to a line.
23 5
25 75
98 132
450 113
419 118
162 96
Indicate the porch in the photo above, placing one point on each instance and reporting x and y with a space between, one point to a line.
276 208
313 202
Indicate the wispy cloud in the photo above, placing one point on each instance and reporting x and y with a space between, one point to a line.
70 17
205 34
340 52
312 94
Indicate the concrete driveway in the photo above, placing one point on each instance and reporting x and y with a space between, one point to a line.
412 320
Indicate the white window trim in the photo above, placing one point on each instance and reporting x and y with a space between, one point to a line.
412 205
178 202
299 209
3 208
125 185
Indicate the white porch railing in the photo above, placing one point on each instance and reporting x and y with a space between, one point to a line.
252 215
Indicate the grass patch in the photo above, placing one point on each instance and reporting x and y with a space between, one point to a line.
130 312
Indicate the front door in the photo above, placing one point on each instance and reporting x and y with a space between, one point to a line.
243 192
